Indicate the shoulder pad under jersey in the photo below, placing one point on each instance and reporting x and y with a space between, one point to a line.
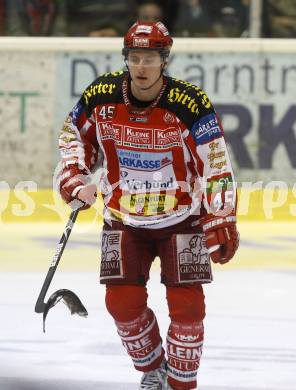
105 89
187 101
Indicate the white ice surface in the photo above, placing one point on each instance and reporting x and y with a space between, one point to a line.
250 328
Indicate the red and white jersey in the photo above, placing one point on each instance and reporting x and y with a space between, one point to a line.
159 164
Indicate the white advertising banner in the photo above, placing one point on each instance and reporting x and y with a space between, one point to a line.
254 95
253 92
27 90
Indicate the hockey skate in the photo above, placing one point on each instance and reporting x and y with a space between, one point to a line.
155 379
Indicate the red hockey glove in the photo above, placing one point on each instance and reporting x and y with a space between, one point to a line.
221 232
71 181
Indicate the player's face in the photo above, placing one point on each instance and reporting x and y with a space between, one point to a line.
144 66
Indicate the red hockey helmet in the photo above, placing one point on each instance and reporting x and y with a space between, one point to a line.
148 35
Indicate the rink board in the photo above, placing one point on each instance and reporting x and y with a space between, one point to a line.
30 246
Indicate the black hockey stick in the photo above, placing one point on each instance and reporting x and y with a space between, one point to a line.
69 298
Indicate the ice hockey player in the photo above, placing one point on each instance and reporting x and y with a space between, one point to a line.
168 191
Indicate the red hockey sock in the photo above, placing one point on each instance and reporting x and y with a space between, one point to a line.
142 341
125 303
185 335
136 325
184 348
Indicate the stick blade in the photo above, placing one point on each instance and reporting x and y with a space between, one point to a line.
70 299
